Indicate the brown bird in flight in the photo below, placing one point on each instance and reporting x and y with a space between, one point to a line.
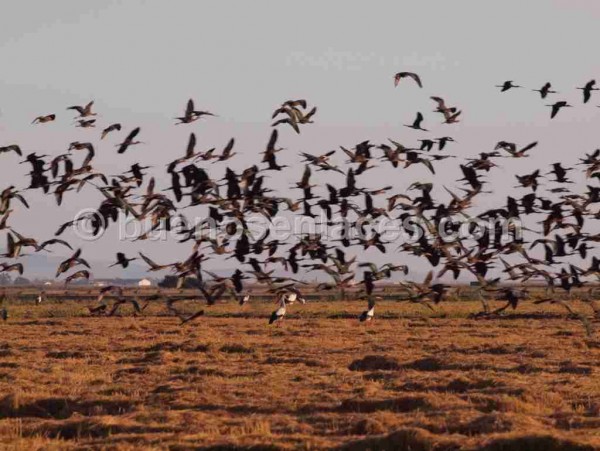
44 119
110 128
400 75
84 111
129 141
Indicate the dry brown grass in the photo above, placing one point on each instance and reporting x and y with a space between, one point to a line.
410 380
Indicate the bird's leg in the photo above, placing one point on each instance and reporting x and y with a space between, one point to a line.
442 312
501 309
568 307
595 307
486 308
428 305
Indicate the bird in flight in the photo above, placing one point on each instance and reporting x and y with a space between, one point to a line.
44 119
122 260
295 116
508 84
400 75
191 114
416 125
84 111
12 148
511 148
556 107
129 140
110 128
545 90
587 90
86 123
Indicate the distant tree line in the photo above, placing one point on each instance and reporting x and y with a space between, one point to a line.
6 280
171 282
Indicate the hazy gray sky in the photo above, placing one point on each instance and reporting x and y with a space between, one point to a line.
141 60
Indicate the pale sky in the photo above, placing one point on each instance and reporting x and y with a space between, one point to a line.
141 60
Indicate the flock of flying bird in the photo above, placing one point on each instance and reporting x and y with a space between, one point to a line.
547 90
229 201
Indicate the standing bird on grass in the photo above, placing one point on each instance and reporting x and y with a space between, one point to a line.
243 300
278 314
41 298
368 314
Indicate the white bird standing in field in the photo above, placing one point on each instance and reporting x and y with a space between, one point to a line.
244 299
41 297
368 314
278 314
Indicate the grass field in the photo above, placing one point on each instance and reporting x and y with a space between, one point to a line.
411 379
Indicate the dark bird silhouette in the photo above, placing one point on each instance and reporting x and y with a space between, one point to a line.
587 90
269 153
556 107
191 114
400 75
443 141
471 176
529 180
417 123
129 140
560 173
122 260
11 148
545 90
110 128
509 84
